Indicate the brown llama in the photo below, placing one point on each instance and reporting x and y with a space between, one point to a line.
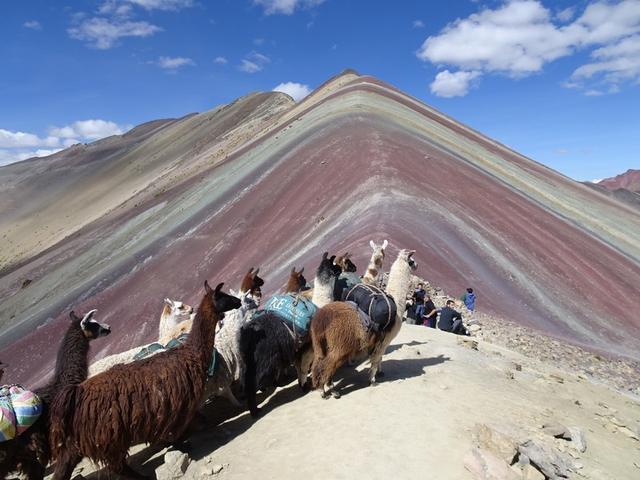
29 453
374 269
338 332
149 401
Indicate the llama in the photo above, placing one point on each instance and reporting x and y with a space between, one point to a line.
250 284
269 347
347 279
149 401
230 367
173 313
372 276
180 316
29 453
338 333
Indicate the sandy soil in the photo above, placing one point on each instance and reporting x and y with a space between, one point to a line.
418 422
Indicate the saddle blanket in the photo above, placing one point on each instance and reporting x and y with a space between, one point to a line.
296 310
379 306
19 409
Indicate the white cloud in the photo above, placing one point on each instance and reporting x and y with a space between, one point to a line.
9 139
457 84
418 24
33 25
12 156
174 63
566 15
254 62
162 4
220 60
258 41
103 33
89 130
286 7
297 91
16 146
519 37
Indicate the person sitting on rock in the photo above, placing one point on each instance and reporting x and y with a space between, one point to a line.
418 297
451 321
430 312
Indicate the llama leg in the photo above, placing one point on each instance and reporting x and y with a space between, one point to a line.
33 470
304 367
65 464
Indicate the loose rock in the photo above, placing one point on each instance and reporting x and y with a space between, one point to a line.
484 465
556 430
546 459
175 465
498 443
577 439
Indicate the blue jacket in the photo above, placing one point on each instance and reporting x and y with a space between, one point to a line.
470 301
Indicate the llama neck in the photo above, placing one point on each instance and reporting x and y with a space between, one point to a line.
202 334
71 363
374 269
323 292
399 283
167 319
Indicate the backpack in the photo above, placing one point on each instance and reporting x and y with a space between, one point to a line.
19 409
378 305
295 310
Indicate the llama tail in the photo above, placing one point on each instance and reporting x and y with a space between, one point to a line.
61 417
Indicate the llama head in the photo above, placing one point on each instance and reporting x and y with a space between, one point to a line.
345 263
407 256
296 281
378 250
248 301
222 302
178 310
90 327
328 270
252 282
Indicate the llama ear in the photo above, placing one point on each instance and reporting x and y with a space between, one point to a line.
325 255
256 272
250 271
293 270
87 317
332 258
73 316
373 245
219 287
301 270
385 244
207 288
168 302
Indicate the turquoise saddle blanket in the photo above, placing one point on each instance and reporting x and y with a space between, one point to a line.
173 343
297 311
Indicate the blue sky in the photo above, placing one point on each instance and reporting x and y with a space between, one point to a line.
556 81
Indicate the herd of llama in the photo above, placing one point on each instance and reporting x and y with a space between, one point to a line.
232 345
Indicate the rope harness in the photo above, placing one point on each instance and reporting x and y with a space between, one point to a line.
373 291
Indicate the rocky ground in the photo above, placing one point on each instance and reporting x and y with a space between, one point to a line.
448 408
621 373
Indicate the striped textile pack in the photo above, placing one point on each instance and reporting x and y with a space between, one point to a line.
19 409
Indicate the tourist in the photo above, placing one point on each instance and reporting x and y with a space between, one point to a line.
418 298
451 321
469 299
430 312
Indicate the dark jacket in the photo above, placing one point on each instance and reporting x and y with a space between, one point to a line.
447 316
418 295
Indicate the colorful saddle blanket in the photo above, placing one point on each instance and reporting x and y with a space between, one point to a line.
173 343
297 311
19 409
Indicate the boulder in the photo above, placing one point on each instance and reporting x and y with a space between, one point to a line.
546 459
578 439
174 467
495 441
484 465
